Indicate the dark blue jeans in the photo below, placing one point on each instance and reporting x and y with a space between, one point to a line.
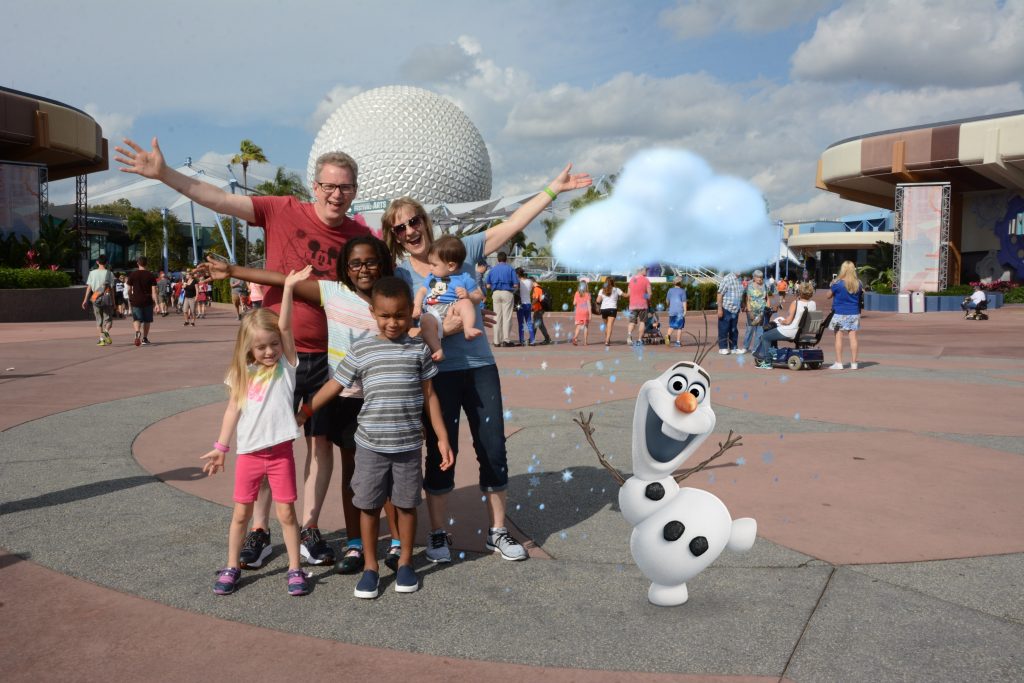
728 330
524 313
769 340
478 392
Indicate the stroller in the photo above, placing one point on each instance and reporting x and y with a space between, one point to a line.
804 352
653 333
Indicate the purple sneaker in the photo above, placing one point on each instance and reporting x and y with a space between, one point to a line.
227 581
297 582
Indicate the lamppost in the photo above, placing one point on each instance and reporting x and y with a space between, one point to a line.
163 215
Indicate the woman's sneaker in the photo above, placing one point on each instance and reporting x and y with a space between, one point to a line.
297 582
367 588
255 549
406 581
836 366
227 581
437 547
500 541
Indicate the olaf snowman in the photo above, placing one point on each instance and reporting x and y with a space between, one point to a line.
677 531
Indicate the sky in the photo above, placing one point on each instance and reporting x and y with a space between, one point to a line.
759 88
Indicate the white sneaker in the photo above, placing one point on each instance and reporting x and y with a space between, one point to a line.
853 366
836 366
437 546
739 352
723 352
500 541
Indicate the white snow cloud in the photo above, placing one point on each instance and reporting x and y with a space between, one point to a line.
698 18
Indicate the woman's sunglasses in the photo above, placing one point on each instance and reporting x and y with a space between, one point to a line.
413 222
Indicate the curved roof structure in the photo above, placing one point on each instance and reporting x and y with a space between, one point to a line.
982 153
37 130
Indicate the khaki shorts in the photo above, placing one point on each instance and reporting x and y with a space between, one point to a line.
379 476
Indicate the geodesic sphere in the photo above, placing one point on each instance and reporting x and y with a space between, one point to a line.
408 141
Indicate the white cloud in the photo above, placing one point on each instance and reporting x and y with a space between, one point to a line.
337 96
698 18
437 63
913 43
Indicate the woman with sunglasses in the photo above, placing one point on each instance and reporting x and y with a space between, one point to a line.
468 377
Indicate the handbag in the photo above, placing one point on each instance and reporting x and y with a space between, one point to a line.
103 300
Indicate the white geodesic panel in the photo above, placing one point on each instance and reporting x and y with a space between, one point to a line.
408 141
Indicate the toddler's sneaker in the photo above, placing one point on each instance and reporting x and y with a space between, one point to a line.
391 559
500 541
853 366
227 580
367 586
407 581
437 546
836 366
255 549
314 549
297 582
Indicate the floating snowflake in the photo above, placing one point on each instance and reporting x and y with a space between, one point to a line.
567 474
544 365
741 461
535 480
568 391
507 415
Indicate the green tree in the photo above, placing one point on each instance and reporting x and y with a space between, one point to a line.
284 184
147 227
593 194
57 244
248 152
121 208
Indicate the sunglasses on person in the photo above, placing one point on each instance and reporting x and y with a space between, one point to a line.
413 222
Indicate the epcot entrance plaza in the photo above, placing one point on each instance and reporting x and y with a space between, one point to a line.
981 158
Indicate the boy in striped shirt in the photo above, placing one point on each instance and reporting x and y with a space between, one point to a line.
394 371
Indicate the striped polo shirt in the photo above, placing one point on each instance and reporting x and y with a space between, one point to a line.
391 420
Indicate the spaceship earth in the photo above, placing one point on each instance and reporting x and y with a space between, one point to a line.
408 141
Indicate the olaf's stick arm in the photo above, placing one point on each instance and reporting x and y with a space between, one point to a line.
722 448
588 431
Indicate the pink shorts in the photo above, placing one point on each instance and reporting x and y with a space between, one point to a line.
276 463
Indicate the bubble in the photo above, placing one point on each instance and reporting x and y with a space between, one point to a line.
602 327
518 507
783 379
483 499
563 535
767 457
552 435
717 389
741 461
797 416
599 365
565 307
507 415
544 365
508 590
479 531
616 361
611 378
746 396
451 521
462 555
487 419
741 360
583 536
529 469
711 477
541 506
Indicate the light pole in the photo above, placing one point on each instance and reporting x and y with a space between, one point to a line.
163 215
234 229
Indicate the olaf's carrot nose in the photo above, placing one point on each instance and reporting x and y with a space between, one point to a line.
686 402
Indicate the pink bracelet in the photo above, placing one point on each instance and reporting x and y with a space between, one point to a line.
220 447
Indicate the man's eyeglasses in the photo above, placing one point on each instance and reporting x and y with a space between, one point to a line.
369 264
329 188
413 222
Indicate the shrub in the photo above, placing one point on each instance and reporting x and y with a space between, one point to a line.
561 292
30 278
881 289
1014 295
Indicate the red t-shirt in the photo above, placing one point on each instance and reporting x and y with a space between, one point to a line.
638 298
295 238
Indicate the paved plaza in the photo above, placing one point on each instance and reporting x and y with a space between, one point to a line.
888 502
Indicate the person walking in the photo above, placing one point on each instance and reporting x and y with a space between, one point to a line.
142 295
608 304
524 311
639 299
675 301
538 299
729 297
99 291
502 282
163 290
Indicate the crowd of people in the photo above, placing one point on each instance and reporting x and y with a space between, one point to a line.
330 356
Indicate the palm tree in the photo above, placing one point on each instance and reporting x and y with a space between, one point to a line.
284 184
248 151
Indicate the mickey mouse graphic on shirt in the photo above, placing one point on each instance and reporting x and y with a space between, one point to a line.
437 290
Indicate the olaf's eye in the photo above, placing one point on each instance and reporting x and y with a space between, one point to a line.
699 391
676 384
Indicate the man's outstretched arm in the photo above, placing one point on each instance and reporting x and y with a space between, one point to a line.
151 164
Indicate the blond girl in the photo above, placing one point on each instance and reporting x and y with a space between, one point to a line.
845 294
261 382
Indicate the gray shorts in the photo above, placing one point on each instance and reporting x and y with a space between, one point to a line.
439 311
104 315
379 476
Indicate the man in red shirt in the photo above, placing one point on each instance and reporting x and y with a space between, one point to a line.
639 299
142 295
297 234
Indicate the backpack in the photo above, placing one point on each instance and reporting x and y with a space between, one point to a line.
545 300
